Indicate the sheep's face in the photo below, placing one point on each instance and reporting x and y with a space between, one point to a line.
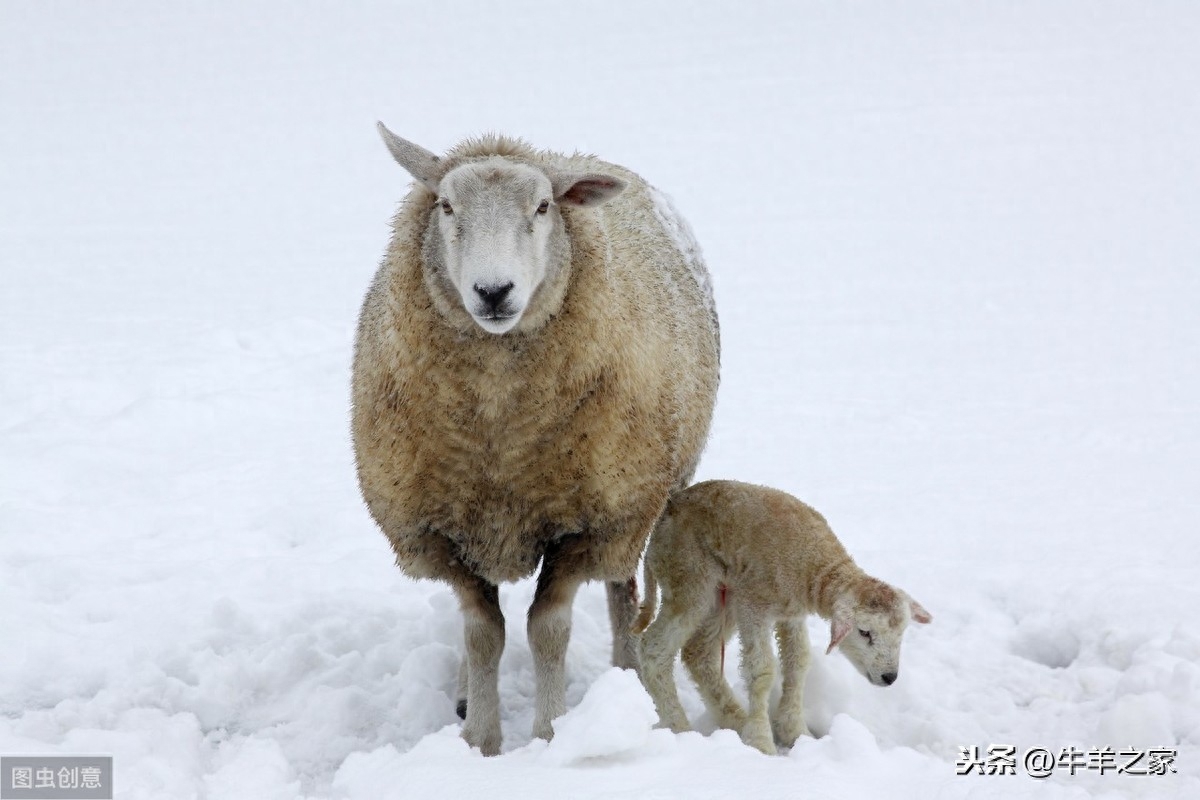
499 234
501 238
868 631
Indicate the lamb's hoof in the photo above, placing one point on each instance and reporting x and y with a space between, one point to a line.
488 743
788 734
733 720
675 726
760 740
461 709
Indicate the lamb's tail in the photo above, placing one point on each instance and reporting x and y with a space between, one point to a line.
649 602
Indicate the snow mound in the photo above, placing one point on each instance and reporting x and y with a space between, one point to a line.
252 768
613 719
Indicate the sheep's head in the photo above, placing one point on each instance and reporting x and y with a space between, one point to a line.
496 233
868 626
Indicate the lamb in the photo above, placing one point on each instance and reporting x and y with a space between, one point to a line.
733 555
534 373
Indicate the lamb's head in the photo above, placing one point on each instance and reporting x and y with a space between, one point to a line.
496 235
868 624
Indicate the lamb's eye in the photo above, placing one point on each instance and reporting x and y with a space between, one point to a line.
446 207
543 207
865 634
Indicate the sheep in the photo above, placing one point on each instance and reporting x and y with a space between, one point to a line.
535 370
733 555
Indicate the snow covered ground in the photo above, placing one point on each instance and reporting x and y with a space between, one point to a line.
956 253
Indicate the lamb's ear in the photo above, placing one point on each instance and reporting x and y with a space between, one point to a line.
419 162
838 629
919 613
584 189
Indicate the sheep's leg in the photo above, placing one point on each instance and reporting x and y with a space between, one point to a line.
483 630
622 609
549 629
793 660
702 657
460 707
758 668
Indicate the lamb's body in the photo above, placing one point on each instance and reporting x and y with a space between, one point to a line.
480 455
732 555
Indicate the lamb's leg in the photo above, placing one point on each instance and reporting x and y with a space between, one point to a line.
484 634
622 609
793 660
702 657
660 643
681 612
758 668
549 629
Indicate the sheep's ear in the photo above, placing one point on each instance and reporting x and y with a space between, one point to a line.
585 189
919 613
838 629
419 162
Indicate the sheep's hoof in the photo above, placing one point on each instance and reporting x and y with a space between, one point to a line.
627 657
461 708
543 731
488 743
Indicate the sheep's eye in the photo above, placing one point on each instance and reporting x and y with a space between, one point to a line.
865 634
446 207
543 207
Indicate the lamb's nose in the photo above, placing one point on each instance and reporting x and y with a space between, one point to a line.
493 296
888 678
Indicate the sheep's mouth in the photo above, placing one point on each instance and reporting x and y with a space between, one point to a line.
500 313
497 322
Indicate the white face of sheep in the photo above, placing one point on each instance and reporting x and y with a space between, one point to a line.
496 228
501 231
871 639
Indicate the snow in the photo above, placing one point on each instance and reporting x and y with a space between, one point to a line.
685 240
954 250
613 719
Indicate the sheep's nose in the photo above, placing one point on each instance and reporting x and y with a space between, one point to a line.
888 678
493 296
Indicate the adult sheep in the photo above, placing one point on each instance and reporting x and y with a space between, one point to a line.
534 374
